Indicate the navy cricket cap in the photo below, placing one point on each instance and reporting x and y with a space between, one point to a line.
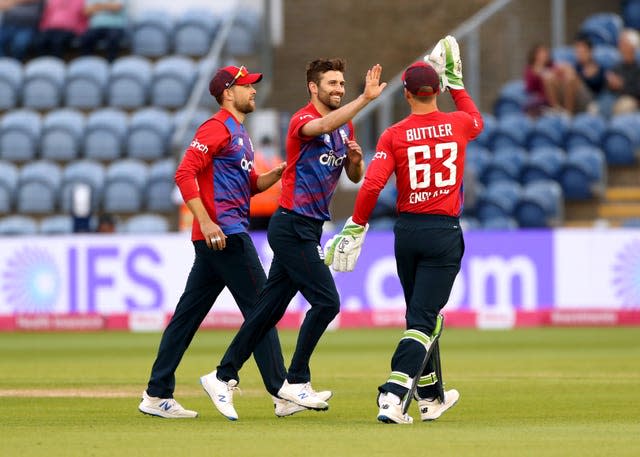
421 79
228 76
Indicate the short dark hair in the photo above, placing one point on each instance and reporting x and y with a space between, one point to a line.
585 38
317 67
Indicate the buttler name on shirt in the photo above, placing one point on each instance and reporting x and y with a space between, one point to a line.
430 131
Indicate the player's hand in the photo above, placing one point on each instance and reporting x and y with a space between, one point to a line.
445 58
342 250
354 153
279 169
213 235
372 86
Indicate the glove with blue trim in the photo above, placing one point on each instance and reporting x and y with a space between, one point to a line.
342 250
445 58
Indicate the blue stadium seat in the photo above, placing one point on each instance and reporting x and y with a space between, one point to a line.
146 223
506 165
621 139
195 120
511 131
583 175
606 56
564 54
61 138
8 183
172 80
489 125
500 223
105 134
11 79
58 224
543 163
631 13
513 98
477 158
244 34
86 82
18 225
20 135
124 188
469 223
82 172
151 34
194 32
602 28
129 82
149 136
585 130
43 81
160 187
540 205
498 200
549 130
386 204
38 187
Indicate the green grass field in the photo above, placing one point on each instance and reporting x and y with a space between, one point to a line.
531 392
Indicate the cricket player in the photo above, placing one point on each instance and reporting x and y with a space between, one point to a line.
320 144
426 151
216 178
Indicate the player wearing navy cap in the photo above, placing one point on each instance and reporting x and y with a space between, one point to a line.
320 144
216 178
426 151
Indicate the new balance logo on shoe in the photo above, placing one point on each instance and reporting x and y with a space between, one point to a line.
165 405
222 398
302 395
424 410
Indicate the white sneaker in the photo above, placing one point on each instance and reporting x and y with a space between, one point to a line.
164 407
285 408
432 409
221 393
391 410
302 394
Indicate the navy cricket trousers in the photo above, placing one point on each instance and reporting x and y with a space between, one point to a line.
237 267
428 250
298 265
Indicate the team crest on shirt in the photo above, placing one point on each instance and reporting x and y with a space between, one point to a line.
240 142
326 138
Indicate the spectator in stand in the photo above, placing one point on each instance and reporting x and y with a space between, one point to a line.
590 81
547 83
62 22
18 26
107 24
106 223
624 79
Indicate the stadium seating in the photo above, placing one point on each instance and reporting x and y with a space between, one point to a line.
86 82
583 175
43 81
548 130
18 225
631 13
543 163
513 99
540 205
602 28
146 223
61 138
8 184
489 125
586 129
498 200
82 172
56 225
194 32
563 54
129 82
606 56
38 187
244 34
621 139
11 76
511 131
149 134
105 134
477 158
151 34
160 187
500 223
171 82
194 121
20 135
124 187
505 165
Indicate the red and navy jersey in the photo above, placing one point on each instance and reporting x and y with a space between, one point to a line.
218 168
314 165
426 152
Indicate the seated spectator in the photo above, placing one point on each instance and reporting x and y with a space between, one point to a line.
107 23
62 22
18 26
624 79
548 84
591 79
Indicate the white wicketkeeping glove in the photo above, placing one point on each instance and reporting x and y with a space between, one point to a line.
445 58
342 250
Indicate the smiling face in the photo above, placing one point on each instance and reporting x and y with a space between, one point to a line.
330 89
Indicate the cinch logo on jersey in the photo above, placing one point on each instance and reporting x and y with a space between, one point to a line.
195 144
380 155
245 164
331 160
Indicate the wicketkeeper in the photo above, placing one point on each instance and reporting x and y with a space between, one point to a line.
426 151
